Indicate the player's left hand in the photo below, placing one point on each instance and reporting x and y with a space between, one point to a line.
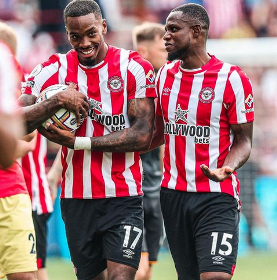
57 135
217 175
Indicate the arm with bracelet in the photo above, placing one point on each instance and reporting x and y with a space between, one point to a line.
137 137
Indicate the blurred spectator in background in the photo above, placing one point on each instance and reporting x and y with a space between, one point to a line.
42 47
148 42
17 239
226 16
8 141
33 165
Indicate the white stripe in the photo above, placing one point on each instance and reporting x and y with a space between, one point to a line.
171 118
62 69
34 185
162 77
107 110
138 71
130 181
45 74
87 193
190 161
215 119
47 193
235 187
129 157
237 87
69 175
124 60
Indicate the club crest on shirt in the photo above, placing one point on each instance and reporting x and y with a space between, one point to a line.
150 76
115 84
206 95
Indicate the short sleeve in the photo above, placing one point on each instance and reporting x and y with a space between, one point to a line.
140 78
238 98
43 75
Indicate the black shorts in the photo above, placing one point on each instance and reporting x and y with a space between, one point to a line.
202 231
40 224
98 230
153 227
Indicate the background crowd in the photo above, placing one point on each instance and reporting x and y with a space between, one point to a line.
40 29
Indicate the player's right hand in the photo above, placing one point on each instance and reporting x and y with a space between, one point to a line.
74 101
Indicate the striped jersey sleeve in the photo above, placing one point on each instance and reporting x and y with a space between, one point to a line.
141 78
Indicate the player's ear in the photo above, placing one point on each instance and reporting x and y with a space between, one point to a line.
196 30
104 26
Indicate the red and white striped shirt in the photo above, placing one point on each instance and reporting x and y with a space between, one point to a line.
121 76
33 166
198 108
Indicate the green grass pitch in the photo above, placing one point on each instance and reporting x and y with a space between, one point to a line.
252 266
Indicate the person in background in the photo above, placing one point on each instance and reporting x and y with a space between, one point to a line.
17 238
54 175
148 42
101 196
34 165
205 116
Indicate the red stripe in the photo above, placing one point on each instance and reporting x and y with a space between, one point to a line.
26 167
180 141
72 68
131 85
64 165
165 103
117 101
97 180
204 114
136 174
224 132
247 87
36 155
78 156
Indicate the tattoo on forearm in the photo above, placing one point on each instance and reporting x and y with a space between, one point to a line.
135 138
36 113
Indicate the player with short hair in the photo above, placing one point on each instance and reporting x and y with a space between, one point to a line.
148 42
17 238
206 118
101 197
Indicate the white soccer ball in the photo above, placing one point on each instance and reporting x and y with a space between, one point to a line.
63 118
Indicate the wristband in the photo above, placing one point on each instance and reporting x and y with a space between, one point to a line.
82 143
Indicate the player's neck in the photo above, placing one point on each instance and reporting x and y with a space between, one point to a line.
195 61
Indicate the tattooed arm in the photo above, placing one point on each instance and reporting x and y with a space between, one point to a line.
135 138
36 113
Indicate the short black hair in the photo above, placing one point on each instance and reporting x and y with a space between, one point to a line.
194 12
77 8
